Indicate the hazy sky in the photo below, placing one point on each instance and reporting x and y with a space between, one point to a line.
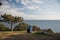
32 9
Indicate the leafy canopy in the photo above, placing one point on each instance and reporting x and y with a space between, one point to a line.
11 19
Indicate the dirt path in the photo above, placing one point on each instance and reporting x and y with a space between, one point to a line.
24 37
29 36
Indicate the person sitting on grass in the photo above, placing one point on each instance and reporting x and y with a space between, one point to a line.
29 29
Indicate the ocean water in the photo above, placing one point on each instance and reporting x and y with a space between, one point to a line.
45 24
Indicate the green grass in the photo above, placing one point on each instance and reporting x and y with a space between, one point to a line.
4 34
43 33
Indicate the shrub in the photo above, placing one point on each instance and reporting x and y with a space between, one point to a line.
3 27
21 27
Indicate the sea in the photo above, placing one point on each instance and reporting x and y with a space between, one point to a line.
43 24
54 25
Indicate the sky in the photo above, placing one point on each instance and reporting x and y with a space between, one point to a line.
32 9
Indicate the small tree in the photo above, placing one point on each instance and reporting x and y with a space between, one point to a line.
35 28
21 27
11 19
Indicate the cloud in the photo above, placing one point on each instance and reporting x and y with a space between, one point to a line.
33 1
9 10
37 1
14 11
6 8
30 6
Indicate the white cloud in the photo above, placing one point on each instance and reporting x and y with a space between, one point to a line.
24 3
33 1
30 6
34 7
37 1
6 8
10 10
14 12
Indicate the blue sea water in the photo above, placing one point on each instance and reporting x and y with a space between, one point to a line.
45 24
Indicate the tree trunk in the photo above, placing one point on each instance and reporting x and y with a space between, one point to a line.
11 27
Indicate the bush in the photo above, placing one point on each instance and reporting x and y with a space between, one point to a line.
3 27
21 27
35 28
43 33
